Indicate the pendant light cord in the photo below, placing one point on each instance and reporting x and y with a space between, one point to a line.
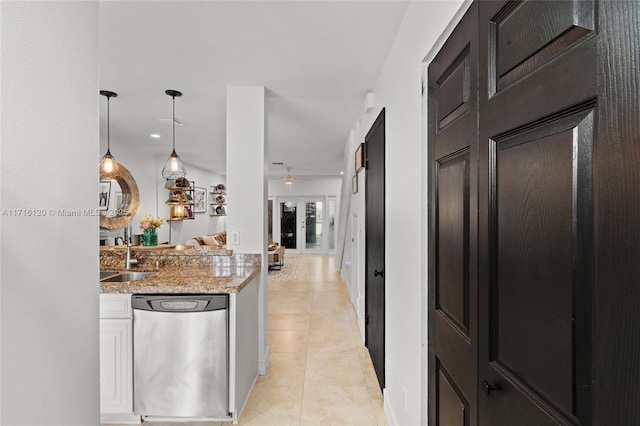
173 119
108 94
108 125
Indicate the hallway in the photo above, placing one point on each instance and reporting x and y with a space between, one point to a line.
320 371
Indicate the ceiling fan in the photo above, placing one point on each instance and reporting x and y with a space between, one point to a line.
288 179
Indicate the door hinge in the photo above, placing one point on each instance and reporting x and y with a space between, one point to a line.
366 320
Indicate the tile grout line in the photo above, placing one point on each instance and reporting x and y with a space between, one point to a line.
306 358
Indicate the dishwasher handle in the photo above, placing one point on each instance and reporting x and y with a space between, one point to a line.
179 303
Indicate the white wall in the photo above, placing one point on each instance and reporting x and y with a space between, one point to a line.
247 190
352 260
49 271
305 187
246 170
398 90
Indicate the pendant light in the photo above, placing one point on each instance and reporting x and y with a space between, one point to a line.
173 168
288 180
108 163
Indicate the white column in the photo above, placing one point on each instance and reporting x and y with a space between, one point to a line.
247 189
49 366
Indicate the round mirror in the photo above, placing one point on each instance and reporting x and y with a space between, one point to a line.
119 198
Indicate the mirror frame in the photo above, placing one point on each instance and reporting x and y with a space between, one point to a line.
128 186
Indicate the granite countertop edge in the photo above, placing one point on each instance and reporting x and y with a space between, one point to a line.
192 280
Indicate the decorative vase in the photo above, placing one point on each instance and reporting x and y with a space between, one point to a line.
150 237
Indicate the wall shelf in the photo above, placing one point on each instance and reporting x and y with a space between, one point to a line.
180 201
217 200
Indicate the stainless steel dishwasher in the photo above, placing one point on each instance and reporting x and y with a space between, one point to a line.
180 355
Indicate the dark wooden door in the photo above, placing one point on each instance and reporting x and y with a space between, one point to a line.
557 241
538 90
374 248
453 150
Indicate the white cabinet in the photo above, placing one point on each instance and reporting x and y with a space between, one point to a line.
116 359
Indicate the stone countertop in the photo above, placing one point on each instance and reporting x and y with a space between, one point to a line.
201 274
193 279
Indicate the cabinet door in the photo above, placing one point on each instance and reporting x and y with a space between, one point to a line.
116 378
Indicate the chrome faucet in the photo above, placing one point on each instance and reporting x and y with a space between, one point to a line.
128 262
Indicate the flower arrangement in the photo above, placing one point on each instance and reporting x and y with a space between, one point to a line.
149 221
149 225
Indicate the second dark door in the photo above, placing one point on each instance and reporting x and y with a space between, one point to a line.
374 251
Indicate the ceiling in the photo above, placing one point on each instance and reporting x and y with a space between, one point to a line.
316 59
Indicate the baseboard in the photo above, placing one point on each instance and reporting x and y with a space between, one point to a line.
184 420
391 418
120 419
263 364
236 416
360 318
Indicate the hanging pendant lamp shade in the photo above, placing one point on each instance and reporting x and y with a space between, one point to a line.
288 179
108 163
173 168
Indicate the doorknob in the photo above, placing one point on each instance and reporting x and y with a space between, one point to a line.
379 273
490 387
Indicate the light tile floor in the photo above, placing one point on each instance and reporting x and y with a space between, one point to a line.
320 372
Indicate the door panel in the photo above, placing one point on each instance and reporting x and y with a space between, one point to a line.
537 176
374 246
453 90
452 285
313 225
453 154
555 76
525 35
534 232
452 409
288 224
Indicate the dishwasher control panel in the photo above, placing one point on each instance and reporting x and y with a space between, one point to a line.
178 302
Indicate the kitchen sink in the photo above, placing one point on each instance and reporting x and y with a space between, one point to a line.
107 274
126 276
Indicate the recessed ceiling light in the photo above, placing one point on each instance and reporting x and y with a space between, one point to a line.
341 173
154 135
